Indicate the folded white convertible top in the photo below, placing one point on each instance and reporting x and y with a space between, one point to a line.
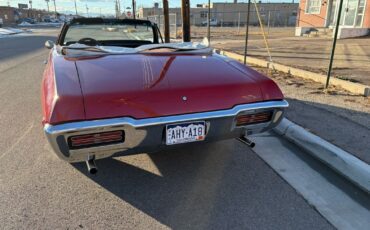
80 50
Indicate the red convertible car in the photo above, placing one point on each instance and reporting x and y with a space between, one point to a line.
112 87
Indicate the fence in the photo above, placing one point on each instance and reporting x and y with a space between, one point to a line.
310 52
236 20
159 20
239 18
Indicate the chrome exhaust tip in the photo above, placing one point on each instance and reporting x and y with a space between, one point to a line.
246 141
91 166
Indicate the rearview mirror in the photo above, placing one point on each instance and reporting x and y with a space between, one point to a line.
49 44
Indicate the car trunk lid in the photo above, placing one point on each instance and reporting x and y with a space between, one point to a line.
149 85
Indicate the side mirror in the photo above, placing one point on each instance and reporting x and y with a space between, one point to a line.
49 44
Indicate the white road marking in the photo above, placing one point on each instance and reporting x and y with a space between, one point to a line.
18 141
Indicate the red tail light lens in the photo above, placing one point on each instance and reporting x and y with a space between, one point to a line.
95 139
249 119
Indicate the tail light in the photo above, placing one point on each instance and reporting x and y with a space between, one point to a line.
250 119
95 139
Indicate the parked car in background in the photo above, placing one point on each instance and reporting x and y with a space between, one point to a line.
213 22
46 18
27 20
54 20
112 87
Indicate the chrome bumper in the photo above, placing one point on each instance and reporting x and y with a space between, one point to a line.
147 135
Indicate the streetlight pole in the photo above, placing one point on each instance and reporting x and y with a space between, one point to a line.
76 7
47 3
30 2
87 11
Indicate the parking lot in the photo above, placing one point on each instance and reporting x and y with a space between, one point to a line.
223 185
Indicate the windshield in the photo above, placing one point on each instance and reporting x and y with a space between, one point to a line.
109 34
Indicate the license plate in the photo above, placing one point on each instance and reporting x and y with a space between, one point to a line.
185 132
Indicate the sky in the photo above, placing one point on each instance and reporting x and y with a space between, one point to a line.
106 7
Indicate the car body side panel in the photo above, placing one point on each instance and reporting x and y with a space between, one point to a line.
269 88
62 96
47 91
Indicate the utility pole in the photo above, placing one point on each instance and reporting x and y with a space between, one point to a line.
47 3
116 9
185 11
166 22
30 2
247 32
334 44
118 12
134 9
209 22
268 23
76 7
55 8
239 22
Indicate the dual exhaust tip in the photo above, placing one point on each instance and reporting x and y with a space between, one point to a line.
92 169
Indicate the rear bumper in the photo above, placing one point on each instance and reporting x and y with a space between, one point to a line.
146 135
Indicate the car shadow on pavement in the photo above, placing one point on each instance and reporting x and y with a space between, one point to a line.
212 185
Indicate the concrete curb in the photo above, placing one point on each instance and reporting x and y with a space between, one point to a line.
341 161
352 87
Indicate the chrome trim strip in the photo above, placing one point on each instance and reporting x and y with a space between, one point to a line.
138 123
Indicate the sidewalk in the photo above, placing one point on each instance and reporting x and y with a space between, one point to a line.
337 116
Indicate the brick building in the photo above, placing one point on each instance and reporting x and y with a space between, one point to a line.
12 15
355 16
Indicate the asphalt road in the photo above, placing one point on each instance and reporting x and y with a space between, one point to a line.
211 186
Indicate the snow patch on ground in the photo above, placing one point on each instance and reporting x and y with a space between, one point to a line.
26 24
11 32
4 31
15 30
